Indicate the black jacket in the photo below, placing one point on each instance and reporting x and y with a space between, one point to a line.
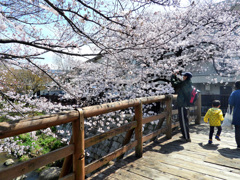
183 89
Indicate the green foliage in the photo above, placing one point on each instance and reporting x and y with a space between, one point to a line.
33 114
26 140
49 143
54 129
42 145
24 158
1 105
2 119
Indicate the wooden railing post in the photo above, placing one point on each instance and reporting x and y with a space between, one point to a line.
78 140
127 138
67 163
169 116
199 109
138 130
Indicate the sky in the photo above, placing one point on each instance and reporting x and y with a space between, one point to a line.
186 2
49 58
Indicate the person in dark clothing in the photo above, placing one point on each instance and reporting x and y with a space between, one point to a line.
234 102
175 78
184 88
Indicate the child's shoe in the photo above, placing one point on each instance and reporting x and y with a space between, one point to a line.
217 138
210 141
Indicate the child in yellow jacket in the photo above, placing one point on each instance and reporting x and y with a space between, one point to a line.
214 116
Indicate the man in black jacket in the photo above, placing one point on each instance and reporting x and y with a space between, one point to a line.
184 88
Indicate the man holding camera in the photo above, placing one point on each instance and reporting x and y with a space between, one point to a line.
183 89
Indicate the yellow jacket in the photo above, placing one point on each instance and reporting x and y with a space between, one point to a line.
215 117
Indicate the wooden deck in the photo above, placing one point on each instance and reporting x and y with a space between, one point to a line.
174 159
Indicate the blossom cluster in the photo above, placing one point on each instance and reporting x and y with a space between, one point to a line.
11 146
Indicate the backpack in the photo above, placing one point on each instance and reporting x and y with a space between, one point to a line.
194 95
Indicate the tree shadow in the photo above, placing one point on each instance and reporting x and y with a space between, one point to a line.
155 146
199 128
110 168
169 147
209 146
230 153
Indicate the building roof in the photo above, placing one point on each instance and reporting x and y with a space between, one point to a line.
213 79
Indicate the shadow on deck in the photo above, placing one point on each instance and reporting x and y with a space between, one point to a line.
175 159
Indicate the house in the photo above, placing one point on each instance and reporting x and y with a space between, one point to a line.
212 83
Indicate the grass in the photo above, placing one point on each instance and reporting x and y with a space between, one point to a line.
42 145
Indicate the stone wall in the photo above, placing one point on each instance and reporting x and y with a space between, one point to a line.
110 145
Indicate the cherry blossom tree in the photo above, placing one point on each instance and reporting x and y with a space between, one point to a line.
30 29
135 46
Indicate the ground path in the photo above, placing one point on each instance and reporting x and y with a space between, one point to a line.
175 159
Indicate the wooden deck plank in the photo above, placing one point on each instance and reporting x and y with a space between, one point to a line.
200 158
124 174
223 161
147 171
199 155
172 169
175 159
199 167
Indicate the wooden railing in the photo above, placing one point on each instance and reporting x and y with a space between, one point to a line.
74 164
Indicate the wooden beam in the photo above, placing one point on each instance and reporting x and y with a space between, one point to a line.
138 130
152 99
154 134
159 125
78 140
13 128
156 117
169 116
104 160
103 136
68 177
110 107
127 138
67 163
129 134
24 167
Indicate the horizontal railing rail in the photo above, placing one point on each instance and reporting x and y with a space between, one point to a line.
74 164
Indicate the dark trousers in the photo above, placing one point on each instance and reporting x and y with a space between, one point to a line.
237 135
183 120
212 131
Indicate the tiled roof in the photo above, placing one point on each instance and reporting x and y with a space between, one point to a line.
213 79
